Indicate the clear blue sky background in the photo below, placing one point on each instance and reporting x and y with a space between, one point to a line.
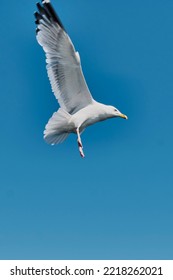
117 203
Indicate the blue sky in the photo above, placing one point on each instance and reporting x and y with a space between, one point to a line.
117 202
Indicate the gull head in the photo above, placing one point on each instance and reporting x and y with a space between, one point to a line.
116 113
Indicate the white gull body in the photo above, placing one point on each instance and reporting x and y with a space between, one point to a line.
77 109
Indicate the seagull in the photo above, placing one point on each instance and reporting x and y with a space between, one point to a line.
78 109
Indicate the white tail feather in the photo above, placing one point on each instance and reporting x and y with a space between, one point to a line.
56 130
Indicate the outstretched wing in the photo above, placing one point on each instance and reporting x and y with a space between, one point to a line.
63 62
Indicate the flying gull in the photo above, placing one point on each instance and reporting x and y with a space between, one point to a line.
77 109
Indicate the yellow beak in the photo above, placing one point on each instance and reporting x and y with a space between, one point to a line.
123 116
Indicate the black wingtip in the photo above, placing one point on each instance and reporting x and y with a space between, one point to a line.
38 16
45 9
42 10
50 10
37 30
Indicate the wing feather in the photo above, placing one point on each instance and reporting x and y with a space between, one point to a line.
63 62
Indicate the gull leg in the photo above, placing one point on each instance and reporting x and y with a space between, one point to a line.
80 143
